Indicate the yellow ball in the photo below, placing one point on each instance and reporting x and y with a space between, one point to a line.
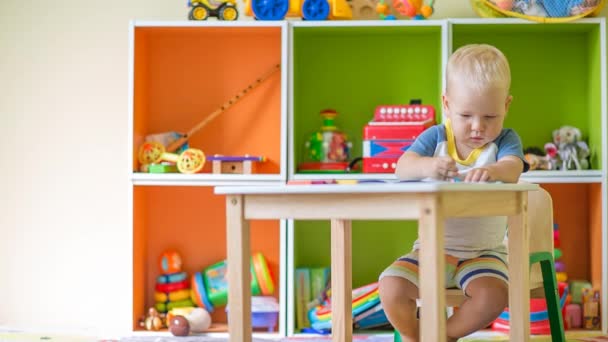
426 11
382 9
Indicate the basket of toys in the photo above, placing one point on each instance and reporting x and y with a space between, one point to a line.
544 11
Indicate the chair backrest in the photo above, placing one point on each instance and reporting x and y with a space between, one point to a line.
540 227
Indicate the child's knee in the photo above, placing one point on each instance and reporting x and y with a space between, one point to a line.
491 291
396 290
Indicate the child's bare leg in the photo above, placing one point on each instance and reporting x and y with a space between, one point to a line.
488 297
398 297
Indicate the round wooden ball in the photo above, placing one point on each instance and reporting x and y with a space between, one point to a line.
179 326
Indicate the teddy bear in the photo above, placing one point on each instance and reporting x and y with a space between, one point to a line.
572 152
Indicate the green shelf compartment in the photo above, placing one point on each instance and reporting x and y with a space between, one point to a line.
355 69
556 77
375 245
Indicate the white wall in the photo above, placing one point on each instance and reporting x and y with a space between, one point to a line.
65 242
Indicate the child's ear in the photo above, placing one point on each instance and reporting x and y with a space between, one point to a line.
508 103
444 102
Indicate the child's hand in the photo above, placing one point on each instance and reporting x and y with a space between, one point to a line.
443 168
481 174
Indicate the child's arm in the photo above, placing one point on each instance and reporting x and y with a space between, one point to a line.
506 170
411 165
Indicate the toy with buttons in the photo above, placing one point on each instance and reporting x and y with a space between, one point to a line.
391 132
172 286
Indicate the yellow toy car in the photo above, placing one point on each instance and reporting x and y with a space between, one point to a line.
307 9
222 9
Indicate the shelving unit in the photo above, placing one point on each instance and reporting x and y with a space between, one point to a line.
558 74
181 73
183 70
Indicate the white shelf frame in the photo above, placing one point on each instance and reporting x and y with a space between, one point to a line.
541 177
207 179
286 284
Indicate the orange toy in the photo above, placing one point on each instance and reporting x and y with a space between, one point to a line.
170 262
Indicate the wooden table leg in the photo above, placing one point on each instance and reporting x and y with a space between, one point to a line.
239 277
519 272
432 270
341 281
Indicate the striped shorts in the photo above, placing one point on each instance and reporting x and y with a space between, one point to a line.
458 272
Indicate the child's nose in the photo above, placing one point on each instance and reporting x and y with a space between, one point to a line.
477 124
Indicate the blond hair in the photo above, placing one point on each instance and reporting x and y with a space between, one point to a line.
479 66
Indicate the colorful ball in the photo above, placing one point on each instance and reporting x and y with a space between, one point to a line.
170 262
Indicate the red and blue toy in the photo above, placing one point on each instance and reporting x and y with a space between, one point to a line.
391 132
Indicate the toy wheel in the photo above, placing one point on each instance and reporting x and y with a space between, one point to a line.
228 12
191 160
150 153
269 9
199 12
315 9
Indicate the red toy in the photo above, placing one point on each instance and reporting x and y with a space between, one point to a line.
391 132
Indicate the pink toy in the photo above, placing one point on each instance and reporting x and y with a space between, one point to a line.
573 315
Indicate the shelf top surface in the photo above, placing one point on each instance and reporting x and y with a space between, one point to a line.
372 187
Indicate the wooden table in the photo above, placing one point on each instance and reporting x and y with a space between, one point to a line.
429 203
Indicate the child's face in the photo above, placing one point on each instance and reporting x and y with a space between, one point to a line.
477 116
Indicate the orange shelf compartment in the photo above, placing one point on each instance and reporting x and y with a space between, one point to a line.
183 74
192 221
577 210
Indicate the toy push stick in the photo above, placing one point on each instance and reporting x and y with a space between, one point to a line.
177 143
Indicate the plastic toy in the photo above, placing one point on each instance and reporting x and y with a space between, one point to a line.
171 278
172 296
591 309
210 287
539 316
222 9
170 262
306 9
391 132
413 9
364 9
365 304
264 312
234 164
328 150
